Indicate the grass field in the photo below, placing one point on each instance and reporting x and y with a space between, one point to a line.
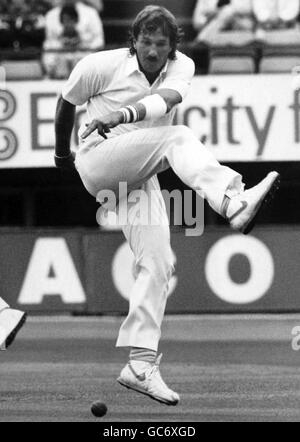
225 368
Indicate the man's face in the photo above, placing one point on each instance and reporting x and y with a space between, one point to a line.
152 50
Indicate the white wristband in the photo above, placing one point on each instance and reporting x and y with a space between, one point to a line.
130 114
155 105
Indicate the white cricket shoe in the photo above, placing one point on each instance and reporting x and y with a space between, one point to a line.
147 381
11 322
241 210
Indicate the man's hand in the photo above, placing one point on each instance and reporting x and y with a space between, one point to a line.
65 162
104 124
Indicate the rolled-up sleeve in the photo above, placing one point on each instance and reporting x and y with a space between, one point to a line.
83 82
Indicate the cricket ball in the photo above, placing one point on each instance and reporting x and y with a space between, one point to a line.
99 409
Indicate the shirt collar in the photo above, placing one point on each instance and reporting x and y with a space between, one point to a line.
133 66
163 72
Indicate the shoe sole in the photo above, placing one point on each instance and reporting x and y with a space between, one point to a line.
129 387
11 337
266 199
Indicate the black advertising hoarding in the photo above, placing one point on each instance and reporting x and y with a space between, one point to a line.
91 271
218 272
42 270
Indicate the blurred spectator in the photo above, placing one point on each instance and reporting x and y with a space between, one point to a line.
22 23
30 23
222 23
72 31
7 26
97 4
89 26
277 21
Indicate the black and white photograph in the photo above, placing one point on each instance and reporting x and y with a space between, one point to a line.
149 214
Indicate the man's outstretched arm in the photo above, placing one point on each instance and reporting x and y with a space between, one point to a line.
153 106
64 123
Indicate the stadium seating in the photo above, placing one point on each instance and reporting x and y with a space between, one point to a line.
279 59
118 14
22 70
232 65
232 60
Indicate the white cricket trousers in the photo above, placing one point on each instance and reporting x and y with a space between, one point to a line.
136 158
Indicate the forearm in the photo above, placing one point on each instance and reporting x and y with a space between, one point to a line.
151 107
64 123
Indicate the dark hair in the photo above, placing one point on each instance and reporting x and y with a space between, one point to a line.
69 10
152 18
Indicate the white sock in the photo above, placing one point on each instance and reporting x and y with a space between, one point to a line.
142 354
3 304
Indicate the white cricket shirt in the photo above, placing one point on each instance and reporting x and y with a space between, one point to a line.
109 80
